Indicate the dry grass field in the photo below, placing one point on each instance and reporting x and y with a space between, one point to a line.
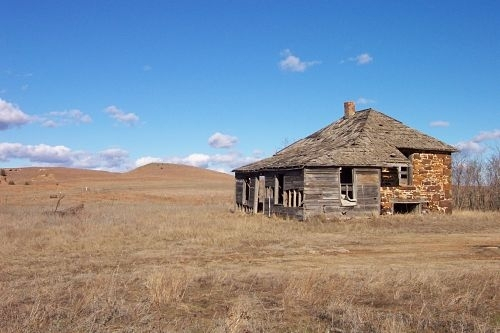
159 249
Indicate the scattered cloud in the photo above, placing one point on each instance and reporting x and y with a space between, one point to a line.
217 162
11 115
219 140
46 155
487 135
35 153
49 123
364 101
196 159
147 160
470 146
363 59
113 159
61 118
439 123
477 143
292 63
120 116
360 59
147 68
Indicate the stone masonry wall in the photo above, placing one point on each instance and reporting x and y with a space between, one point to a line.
431 184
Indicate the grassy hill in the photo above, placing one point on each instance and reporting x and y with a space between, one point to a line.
160 249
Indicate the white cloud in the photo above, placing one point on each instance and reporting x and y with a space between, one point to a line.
218 162
476 145
361 59
37 153
49 123
364 101
470 146
120 116
219 140
439 123
45 155
198 160
114 158
61 118
292 63
11 115
487 135
147 160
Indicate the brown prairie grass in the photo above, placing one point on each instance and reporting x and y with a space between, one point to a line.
162 262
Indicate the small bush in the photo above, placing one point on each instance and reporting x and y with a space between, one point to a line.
3 173
11 182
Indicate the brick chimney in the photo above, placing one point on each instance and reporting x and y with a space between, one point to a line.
349 109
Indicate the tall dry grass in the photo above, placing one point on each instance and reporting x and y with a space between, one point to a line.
164 265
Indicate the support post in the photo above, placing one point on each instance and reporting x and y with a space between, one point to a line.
256 195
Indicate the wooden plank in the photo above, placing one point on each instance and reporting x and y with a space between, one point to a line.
256 184
367 183
239 191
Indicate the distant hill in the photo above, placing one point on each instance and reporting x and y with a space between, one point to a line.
33 175
163 171
175 172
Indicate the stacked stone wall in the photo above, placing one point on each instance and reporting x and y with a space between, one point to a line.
431 184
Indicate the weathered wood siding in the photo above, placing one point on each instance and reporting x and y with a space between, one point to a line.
252 193
367 182
245 191
316 191
269 182
293 179
240 186
291 212
321 191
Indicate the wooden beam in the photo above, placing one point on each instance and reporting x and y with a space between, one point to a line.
256 195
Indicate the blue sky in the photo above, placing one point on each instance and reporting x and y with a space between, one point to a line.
113 85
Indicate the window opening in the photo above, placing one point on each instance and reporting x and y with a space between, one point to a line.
281 193
407 207
247 190
396 176
389 177
404 175
346 184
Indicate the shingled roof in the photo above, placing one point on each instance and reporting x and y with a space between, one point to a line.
365 138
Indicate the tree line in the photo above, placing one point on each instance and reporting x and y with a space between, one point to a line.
476 181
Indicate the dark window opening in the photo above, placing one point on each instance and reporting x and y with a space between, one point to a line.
346 183
407 207
389 177
280 189
396 176
247 190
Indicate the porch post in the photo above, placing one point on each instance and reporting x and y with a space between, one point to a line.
256 195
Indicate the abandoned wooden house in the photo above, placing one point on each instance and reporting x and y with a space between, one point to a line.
366 163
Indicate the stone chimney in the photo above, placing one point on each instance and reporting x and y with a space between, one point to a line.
349 109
